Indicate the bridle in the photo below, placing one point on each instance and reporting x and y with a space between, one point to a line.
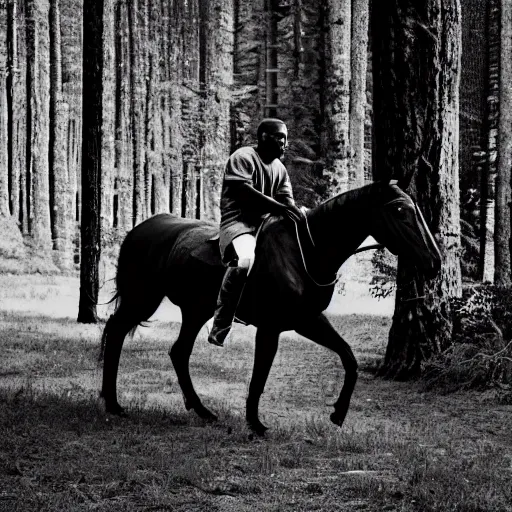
360 249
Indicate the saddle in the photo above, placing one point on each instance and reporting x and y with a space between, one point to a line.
280 282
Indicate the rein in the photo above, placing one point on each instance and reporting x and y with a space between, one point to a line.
337 278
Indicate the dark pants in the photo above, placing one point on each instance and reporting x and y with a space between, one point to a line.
229 296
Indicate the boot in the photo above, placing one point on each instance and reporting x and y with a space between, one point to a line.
229 296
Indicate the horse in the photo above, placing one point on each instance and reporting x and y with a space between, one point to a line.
290 285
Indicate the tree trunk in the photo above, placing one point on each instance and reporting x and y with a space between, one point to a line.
59 191
359 61
416 59
488 190
137 96
160 91
109 115
4 115
271 68
124 143
191 107
91 162
337 94
249 97
72 91
16 97
39 96
217 65
107 144
502 217
173 126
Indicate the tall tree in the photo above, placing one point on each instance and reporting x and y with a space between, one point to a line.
489 169
38 48
173 125
159 92
337 93
72 86
16 96
271 56
59 179
137 103
217 76
358 61
20 115
503 196
124 142
416 58
191 106
91 162
108 121
4 115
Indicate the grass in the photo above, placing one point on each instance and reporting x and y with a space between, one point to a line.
400 449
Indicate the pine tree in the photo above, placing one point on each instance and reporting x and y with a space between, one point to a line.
503 194
91 162
416 63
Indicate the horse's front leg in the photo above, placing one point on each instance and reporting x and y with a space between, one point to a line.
321 331
267 341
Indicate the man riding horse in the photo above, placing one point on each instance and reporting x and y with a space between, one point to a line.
255 183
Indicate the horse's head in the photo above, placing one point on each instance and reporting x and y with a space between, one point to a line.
399 225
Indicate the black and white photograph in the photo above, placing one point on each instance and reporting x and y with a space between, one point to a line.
255 255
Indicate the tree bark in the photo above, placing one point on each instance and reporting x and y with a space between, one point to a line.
359 61
39 96
173 127
191 107
59 191
91 162
16 97
416 59
489 170
137 96
160 89
72 92
124 143
503 196
109 116
271 55
217 64
337 94
4 115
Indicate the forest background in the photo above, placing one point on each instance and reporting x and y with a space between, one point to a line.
184 83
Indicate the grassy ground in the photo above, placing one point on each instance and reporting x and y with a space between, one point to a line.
400 449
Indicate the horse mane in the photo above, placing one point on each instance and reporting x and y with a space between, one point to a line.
373 193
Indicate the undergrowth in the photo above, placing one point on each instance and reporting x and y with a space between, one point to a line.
480 355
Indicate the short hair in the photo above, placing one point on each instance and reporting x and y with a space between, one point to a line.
266 125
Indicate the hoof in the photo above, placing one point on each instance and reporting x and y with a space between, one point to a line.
202 412
257 427
116 410
337 419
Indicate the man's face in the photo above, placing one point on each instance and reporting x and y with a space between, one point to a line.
276 140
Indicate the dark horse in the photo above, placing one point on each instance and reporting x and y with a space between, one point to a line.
289 287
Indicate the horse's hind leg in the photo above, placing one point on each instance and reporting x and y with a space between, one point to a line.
125 319
193 319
